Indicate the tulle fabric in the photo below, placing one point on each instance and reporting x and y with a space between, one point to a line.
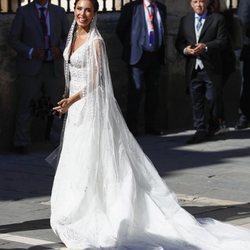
106 192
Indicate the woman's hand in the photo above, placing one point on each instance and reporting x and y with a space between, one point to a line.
63 106
65 103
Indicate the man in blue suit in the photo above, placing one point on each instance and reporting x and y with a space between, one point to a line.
141 29
38 34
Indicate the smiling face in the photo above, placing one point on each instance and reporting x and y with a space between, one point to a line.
199 6
84 13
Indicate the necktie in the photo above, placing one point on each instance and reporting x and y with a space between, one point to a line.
198 63
43 20
199 24
154 32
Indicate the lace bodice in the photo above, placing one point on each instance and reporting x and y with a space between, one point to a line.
77 68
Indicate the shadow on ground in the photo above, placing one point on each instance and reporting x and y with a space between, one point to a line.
222 213
170 153
26 176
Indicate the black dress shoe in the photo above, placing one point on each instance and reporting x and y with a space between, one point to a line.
22 150
198 137
219 128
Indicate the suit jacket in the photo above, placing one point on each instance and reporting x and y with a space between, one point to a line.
244 15
26 33
131 32
213 34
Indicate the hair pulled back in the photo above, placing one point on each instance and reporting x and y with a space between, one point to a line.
94 2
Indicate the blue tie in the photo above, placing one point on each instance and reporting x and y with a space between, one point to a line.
154 34
43 21
199 24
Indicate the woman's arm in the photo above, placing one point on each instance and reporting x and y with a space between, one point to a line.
94 79
65 103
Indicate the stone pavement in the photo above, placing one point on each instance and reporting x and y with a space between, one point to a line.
210 179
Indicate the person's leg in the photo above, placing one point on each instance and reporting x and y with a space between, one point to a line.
53 88
242 122
152 76
197 92
135 87
215 104
215 96
245 96
219 103
28 91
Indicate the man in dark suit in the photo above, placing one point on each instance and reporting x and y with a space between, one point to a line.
228 55
38 34
201 38
141 29
244 15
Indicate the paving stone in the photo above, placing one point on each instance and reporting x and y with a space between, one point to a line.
211 179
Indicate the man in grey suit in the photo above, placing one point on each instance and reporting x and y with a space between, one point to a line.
244 15
141 30
201 38
38 34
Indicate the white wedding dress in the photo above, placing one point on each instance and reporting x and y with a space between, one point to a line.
107 193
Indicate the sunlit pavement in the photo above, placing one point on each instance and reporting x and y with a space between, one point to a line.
210 179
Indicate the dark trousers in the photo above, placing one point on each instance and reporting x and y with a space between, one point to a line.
245 94
30 88
203 91
143 91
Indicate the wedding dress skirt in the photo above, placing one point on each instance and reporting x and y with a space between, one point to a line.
107 193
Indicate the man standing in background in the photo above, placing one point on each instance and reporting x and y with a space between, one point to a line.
141 30
244 15
38 34
201 38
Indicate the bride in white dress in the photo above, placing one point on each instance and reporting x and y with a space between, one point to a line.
107 193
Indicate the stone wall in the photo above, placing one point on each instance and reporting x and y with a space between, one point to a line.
175 107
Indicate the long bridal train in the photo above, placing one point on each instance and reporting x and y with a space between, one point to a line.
107 193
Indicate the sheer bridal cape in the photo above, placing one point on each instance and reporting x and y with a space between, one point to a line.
106 192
